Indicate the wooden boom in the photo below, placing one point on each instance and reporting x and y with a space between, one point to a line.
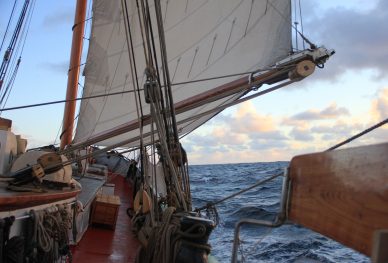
342 194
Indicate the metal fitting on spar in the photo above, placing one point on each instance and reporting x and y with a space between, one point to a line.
318 56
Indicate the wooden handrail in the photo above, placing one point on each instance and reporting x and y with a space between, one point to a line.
342 194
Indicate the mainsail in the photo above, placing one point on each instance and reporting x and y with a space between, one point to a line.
204 39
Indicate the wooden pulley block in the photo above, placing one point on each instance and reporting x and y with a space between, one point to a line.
37 171
303 69
142 202
51 162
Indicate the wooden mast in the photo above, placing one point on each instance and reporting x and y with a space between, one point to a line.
73 74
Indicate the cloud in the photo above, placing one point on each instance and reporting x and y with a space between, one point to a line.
247 120
58 18
32 141
233 138
270 135
261 145
204 140
379 135
358 37
241 136
301 134
58 67
339 128
246 156
331 112
333 133
379 109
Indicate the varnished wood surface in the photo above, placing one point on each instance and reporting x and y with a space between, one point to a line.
10 200
342 194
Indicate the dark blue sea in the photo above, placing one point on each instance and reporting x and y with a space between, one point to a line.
288 243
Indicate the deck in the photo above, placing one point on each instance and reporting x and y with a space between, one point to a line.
103 245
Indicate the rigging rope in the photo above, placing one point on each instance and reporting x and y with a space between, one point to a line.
167 158
296 26
9 22
11 47
301 22
312 46
16 62
47 239
162 99
10 83
135 81
163 51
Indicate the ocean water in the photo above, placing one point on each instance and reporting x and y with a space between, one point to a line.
288 243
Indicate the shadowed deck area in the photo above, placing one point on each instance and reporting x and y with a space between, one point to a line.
103 245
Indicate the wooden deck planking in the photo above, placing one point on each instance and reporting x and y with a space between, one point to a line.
103 245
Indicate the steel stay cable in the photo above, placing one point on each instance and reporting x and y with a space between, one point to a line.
164 59
9 86
169 98
9 22
132 59
280 174
124 92
194 117
358 135
293 26
127 141
164 146
14 40
17 51
239 192
225 198
198 115
63 101
162 99
227 105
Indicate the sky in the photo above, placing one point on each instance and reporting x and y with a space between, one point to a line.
347 96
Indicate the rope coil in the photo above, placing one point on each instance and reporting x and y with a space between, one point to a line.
47 235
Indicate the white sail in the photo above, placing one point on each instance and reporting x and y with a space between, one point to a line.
204 39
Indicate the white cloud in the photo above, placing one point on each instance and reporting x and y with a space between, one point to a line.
379 109
331 112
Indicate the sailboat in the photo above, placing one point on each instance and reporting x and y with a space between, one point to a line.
156 71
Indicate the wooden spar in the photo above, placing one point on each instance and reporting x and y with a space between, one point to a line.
73 75
219 92
236 86
342 194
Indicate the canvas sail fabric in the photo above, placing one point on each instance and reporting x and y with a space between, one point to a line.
204 39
